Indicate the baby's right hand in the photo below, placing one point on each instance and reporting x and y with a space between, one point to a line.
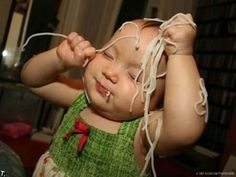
74 51
182 34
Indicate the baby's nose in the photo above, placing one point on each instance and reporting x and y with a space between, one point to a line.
111 74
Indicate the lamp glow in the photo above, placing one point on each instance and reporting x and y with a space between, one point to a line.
4 53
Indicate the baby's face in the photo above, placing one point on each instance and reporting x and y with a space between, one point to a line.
113 72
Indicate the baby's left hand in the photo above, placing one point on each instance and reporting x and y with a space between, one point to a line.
182 35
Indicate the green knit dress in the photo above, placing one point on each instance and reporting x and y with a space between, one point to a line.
104 154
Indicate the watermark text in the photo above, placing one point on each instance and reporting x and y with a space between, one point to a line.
213 173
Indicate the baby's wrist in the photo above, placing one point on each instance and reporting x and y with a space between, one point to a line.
180 57
183 52
59 64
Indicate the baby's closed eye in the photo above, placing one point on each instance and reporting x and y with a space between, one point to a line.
108 55
133 74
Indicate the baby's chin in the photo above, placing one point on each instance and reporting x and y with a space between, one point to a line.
119 114
121 117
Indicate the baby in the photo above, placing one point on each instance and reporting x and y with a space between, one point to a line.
142 99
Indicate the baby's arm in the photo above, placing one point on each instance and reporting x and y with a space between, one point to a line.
42 73
182 125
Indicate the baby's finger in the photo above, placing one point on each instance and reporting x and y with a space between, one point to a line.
76 40
64 50
71 36
84 44
169 32
79 55
90 52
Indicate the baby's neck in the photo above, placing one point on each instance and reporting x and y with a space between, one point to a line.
92 118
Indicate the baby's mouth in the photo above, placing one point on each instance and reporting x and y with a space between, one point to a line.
102 90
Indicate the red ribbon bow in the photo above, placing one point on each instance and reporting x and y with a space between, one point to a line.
80 128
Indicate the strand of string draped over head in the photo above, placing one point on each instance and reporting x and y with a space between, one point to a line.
151 58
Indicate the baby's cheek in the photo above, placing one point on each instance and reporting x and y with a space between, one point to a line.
133 99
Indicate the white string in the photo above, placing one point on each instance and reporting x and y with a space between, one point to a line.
152 58
113 42
154 19
150 154
108 95
136 32
203 101
40 34
136 36
137 91
161 75
169 23
149 87
58 35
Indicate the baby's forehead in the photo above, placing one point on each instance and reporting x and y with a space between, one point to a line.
136 27
138 32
